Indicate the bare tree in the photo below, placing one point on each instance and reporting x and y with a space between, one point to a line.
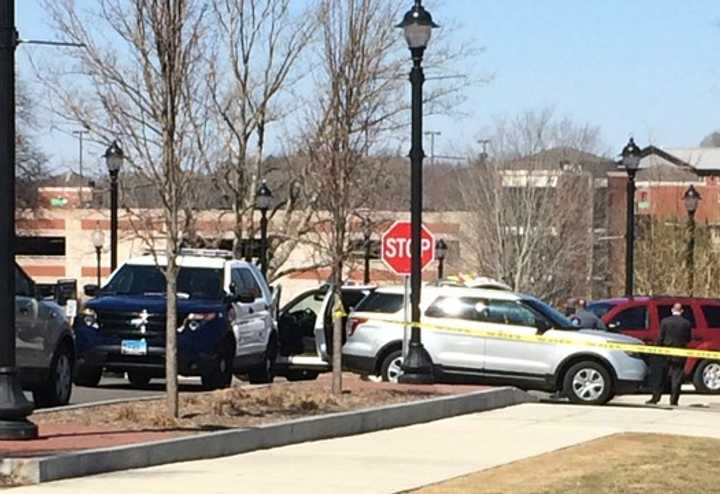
30 161
253 67
531 222
140 80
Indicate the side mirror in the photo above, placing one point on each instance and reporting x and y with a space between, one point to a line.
233 288
614 326
91 290
543 326
245 297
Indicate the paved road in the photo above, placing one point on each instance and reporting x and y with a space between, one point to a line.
398 459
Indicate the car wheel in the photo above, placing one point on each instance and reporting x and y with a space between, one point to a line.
301 375
139 379
706 377
220 376
263 374
588 383
88 376
57 390
391 368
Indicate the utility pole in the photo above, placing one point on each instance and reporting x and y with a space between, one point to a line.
484 154
432 134
80 134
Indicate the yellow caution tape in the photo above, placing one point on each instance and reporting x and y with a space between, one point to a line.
553 340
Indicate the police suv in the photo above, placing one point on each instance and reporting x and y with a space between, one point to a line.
225 315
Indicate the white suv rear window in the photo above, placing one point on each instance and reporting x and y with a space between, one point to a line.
386 303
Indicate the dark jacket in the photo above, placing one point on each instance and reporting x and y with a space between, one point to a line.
586 319
675 331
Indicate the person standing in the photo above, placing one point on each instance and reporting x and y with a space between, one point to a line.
676 332
587 319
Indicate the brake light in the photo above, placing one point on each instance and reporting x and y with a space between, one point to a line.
353 324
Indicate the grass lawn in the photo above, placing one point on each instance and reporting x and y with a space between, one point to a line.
624 463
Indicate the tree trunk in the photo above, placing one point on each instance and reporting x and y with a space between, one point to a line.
171 326
337 331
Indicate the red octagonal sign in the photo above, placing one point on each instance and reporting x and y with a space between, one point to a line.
396 251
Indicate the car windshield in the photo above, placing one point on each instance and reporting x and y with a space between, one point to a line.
202 283
600 308
558 320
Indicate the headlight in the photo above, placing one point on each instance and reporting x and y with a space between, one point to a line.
89 317
194 321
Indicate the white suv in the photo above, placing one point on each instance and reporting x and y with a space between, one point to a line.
226 321
585 374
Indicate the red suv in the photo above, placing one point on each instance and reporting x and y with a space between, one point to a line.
640 317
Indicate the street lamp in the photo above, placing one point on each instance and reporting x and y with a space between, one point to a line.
631 155
691 198
263 199
417 26
114 158
98 240
14 407
441 249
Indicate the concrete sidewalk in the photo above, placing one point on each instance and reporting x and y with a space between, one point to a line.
390 461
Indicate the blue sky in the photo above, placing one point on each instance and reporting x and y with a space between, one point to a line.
646 67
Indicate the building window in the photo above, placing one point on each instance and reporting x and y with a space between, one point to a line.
39 246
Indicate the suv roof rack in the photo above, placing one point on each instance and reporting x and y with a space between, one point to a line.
219 253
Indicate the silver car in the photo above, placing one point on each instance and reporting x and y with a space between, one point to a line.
45 347
585 374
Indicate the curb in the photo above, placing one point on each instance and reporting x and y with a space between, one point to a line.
227 443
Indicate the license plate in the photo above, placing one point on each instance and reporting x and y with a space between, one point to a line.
133 347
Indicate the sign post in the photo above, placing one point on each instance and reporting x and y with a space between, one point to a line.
395 251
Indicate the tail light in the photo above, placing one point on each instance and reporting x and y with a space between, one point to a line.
353 324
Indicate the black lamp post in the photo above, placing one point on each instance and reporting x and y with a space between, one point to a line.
631 154
441 249
366 253
417 26
691 198
98 240
263 199
14 408
114 158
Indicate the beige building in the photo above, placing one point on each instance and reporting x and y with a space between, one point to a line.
56 243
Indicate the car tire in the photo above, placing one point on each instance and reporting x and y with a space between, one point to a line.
391 367
139 379
264 373
588 383
57 391
301 375
88 376
706 377
221 374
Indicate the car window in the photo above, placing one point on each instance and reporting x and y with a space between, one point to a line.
712 315
483 310
309 302
200 283
351 298
633 318
600 308
385 303
23 286
249 281
665 311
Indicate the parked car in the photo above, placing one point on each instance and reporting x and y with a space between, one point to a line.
584 374
640 317
45 347
225 320
305 329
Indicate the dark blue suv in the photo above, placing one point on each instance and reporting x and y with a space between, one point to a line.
122 328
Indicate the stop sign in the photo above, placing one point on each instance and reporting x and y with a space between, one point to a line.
396 250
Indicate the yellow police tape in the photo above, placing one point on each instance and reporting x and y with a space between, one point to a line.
500 335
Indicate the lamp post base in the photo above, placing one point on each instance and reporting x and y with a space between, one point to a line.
14 408
417 368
